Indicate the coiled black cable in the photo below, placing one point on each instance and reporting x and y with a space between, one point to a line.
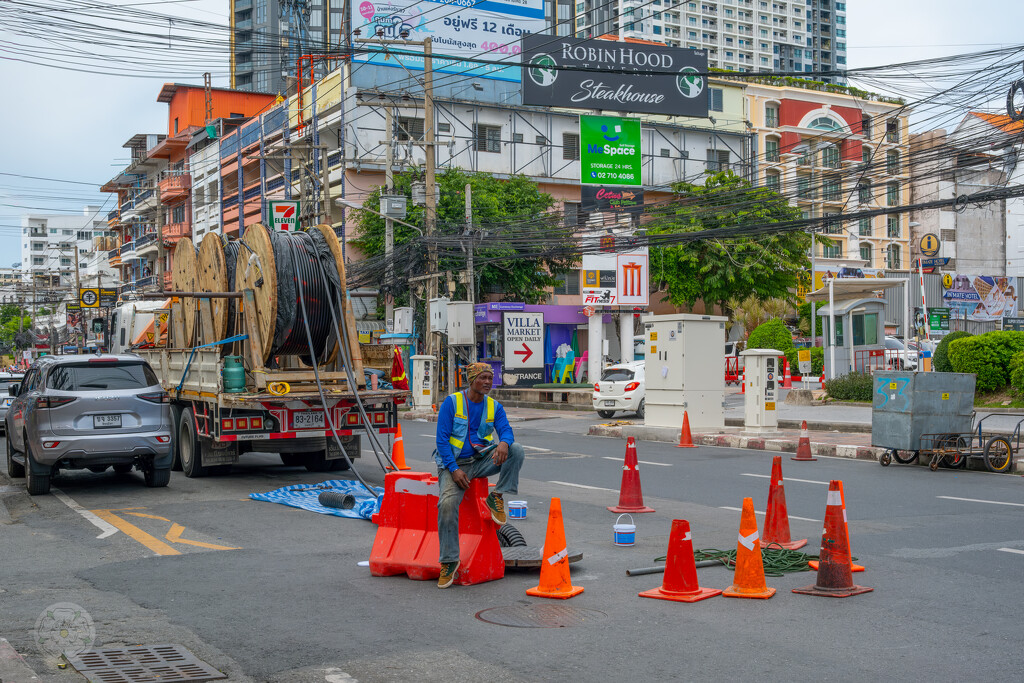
296 260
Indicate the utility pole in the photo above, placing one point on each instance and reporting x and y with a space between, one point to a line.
389 226
470 274
160 236
431 204
78 295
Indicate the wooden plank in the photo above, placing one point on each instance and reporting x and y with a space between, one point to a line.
177 327
207 332
254 344
303 376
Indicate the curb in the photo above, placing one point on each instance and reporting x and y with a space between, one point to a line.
813 426
12 667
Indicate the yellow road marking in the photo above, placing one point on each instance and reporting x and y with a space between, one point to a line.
174 536
134 532
140 514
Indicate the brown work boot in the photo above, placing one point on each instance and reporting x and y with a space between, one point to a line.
496 505
448 572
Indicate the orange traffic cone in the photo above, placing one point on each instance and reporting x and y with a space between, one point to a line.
748 579
554 564
776 520
680 582
685 438
813 564
803 448
631 497
398 452
835 576
787 378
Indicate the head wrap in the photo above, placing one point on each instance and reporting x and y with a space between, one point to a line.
474 370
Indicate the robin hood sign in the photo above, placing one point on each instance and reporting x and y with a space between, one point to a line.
615 76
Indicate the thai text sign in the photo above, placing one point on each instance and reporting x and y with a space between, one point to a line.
610 151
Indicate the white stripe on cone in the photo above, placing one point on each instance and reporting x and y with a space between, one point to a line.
564 552
749 540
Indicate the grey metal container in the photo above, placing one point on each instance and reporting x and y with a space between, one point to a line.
906 405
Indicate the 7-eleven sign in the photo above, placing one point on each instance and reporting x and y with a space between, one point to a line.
284 215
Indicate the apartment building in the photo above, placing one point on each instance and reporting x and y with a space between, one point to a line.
49 241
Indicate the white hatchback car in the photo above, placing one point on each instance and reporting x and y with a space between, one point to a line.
621 388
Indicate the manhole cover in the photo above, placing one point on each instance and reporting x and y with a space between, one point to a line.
527 557
540 615
163 663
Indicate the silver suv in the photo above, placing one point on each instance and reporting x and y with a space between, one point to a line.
86 411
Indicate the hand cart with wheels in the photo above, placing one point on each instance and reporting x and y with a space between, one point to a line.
954 450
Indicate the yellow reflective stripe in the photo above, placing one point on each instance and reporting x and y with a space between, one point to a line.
455 442
490 410
460 406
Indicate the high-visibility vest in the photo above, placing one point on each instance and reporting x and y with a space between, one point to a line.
460 425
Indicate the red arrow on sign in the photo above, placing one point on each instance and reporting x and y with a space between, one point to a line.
525 353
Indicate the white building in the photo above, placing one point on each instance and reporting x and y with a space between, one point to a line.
48 245
204 166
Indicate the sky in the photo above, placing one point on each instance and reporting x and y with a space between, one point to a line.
69 125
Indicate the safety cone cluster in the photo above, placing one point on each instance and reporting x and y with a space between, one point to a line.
835 568
685 438
803 448
554 563
631 497
398 452
776 519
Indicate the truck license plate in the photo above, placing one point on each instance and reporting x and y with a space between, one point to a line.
309 419
106 421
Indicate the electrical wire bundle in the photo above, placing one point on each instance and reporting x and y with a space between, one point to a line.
297 259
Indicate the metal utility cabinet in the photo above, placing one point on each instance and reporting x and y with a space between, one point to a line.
761 372
684 369
905 405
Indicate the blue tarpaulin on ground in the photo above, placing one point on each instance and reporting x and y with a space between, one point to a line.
306 496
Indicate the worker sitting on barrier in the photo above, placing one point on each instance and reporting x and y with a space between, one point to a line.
467 448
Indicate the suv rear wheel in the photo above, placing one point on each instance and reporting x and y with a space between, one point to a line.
157 477
190 448
14 470
36 485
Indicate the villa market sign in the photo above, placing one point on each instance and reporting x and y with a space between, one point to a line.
614 76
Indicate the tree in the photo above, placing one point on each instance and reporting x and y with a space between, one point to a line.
11 319
499 209
771 335
715 269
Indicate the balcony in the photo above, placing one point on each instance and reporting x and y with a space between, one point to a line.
174 187
127 250
146 244
173 232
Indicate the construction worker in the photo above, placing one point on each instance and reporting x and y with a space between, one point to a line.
474 440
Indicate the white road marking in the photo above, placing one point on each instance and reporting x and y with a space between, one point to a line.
975 500
107 528
761 512
582 486
1011 550
536 448
784 479
642 462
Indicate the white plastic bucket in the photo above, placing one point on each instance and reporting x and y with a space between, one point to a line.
624 534
517 509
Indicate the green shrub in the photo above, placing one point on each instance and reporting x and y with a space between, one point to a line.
817 361
987 356
771 335
855 386
940 359
1017 373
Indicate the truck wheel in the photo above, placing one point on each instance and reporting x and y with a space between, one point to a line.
316 461
189 446
36 485
14 470
293 459
339 465
175 426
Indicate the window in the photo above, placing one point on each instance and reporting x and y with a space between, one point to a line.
892 194
824 123
568 283
541 140
488 138
570 146
865 252
864 192
830 157
37 260
805 157
892 130
664 152
892 226
178 214
865 229
865 329
803 187
892 162
834 250
444 128
773 181
715 99
99 376
771 116
865 154
408 128
718 160
892 256
833 223
771 150
517 137
67 233
832 189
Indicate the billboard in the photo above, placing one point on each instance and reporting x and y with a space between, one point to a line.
616 279
614 75
980 298
610 150
608 198
488 30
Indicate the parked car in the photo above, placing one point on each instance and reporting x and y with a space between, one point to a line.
86 411
6 380
621 388
898 356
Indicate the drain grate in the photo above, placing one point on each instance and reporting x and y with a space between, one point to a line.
141 664
526 557
539 616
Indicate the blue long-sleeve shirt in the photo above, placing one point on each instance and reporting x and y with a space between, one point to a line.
445 420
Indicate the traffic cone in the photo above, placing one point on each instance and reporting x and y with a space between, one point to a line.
631 497
813 564
554 565
748 579
787 379
835 575
398 452
803 448
743 381
680 582
685 439
776 520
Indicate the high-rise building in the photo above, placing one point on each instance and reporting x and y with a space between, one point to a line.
740 35
48 246
269 36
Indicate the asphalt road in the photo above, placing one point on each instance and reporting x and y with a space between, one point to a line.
270 593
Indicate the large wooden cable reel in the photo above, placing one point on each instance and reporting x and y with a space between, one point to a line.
183 279
212 276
